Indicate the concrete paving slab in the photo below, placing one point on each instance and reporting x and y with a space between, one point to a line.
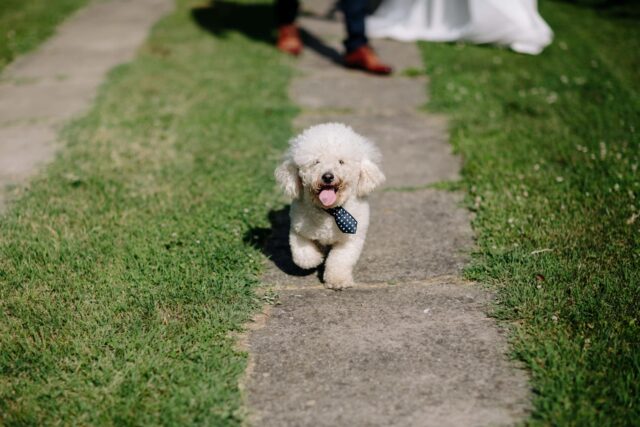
326 29
19 158
318 8
354 90
415 235
50 101
421 354
29 146
41 91
325 83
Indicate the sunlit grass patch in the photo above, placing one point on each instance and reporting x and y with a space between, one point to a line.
551 151
123 267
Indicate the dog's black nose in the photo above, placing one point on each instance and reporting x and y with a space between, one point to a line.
327 178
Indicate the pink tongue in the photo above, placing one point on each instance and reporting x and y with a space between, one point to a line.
328 197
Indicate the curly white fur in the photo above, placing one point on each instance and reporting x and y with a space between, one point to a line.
354 162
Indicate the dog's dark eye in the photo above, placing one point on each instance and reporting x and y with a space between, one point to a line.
316 162
341 162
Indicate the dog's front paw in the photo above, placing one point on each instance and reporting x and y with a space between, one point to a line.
307 256
338 286
333 280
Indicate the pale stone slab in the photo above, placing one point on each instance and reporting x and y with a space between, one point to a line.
355 91
422 354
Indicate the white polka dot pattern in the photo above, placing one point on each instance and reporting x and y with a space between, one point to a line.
344 220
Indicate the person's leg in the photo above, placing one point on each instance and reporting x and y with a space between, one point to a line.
359 54
355 12
286 12
288 37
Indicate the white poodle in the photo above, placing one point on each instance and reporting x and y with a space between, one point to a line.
328 171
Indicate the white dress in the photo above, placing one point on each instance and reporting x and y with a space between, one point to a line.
514 23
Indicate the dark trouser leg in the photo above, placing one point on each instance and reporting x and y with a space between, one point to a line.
286 11
354 14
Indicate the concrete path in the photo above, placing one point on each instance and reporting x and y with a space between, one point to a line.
42 91
411 344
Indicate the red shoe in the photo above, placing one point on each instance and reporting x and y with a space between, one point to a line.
364 58
289 40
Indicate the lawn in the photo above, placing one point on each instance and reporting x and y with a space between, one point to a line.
26 23
551 147
123 268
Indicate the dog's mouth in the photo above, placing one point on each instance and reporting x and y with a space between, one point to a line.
328 194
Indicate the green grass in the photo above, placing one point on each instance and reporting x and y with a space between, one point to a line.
123 268
26 23
551 147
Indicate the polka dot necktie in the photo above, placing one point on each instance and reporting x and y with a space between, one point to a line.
344 220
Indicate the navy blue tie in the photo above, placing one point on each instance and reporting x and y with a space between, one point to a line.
344 220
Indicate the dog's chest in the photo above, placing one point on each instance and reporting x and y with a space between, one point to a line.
318 225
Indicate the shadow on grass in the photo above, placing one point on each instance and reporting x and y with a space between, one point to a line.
620 9
255 21
222 17
274 243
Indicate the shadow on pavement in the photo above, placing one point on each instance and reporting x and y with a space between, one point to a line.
273 242
315 44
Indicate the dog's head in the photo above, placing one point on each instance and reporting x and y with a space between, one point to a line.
329 163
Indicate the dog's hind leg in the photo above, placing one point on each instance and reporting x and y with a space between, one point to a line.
306 253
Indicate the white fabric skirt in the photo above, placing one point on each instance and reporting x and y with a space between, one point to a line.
513 23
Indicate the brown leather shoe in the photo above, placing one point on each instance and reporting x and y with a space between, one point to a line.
289 40
364 58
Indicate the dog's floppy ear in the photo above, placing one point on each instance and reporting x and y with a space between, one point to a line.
287 176
370 177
